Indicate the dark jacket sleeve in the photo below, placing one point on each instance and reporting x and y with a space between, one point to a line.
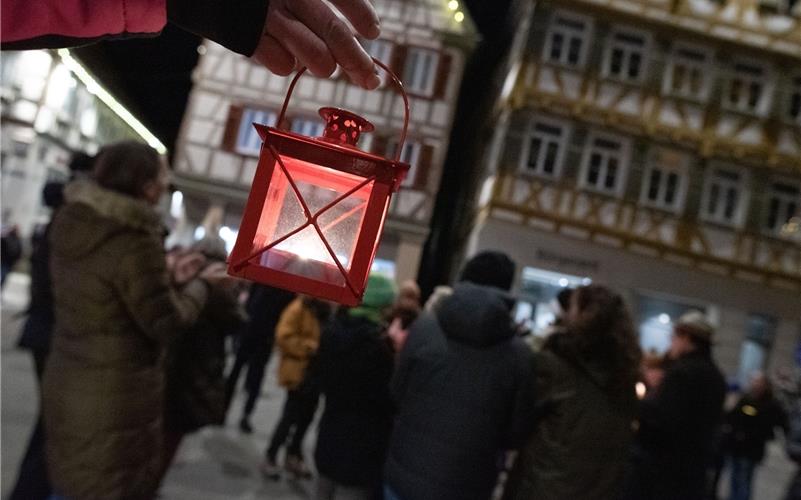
144 285
524 405
664 416
237 26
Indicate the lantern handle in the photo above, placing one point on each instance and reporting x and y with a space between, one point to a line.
395 80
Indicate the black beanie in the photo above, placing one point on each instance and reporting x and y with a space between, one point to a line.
490 269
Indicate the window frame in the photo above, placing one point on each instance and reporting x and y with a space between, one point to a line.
624 161
707 72
389 45
563 142
609 48
306 120
567 31
682 169
763 105
738 221
776 232
410 84
246 129
416 152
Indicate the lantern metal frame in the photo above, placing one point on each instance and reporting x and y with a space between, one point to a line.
382 175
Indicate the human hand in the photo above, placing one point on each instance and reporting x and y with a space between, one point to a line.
216 274
185 267
397 335
309 33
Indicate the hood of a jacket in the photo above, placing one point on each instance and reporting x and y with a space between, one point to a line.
477 316
93 214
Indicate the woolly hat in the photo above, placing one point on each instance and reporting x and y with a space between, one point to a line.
695 324
379 295
490 268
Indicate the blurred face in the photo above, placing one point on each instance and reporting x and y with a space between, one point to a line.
759 385
153 190
679 344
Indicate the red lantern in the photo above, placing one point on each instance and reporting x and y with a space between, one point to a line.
317 207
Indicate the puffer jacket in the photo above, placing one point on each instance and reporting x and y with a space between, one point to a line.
581 439
298 337
115 311
464 392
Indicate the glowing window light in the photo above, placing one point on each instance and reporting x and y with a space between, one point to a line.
459 17
95 88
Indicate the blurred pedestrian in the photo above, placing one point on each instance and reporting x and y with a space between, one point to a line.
793 448
264 307
10 251
195 394
585 378
32 481
298 337
280 34
749 425
405 310
678 421
462 388
353 369
115 310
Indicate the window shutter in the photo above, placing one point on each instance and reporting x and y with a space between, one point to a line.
231 131
379 146
443 72
420 180
398 60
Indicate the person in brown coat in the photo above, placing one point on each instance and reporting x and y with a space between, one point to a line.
115 310
297 337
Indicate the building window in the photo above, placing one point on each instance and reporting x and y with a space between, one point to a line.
380 49
307 126
605 161
665 181
795 100
411 155
567 40
689 73
783 204
625 57
746 90
248 141
723 201
420 71
544 148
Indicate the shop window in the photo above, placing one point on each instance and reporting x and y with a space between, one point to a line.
759 336
538 291
665 181
567 40
724 197
625 56
747 88
656 318
784 201
605 161
544 148
689 72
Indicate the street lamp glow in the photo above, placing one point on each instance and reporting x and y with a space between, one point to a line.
459 17
563 282
453 4
664 319
95 88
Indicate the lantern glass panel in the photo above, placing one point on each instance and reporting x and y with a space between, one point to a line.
336 201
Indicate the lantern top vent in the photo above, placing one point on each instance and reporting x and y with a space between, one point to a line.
343 127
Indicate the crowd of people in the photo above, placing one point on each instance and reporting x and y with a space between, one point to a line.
447 400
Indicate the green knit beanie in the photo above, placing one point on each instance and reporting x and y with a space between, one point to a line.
380 294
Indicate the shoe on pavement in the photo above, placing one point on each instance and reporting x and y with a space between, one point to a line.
270 470
297 467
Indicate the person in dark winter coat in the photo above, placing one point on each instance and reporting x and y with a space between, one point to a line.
353 369
195 383
10 252
462 387
32 481
793 448
264 307
116 309
749 425
678 419
586 375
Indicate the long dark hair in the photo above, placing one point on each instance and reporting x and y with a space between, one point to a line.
601 335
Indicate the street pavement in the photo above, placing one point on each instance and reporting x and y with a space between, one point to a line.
215 463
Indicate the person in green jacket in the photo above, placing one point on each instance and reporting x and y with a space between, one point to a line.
116 308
